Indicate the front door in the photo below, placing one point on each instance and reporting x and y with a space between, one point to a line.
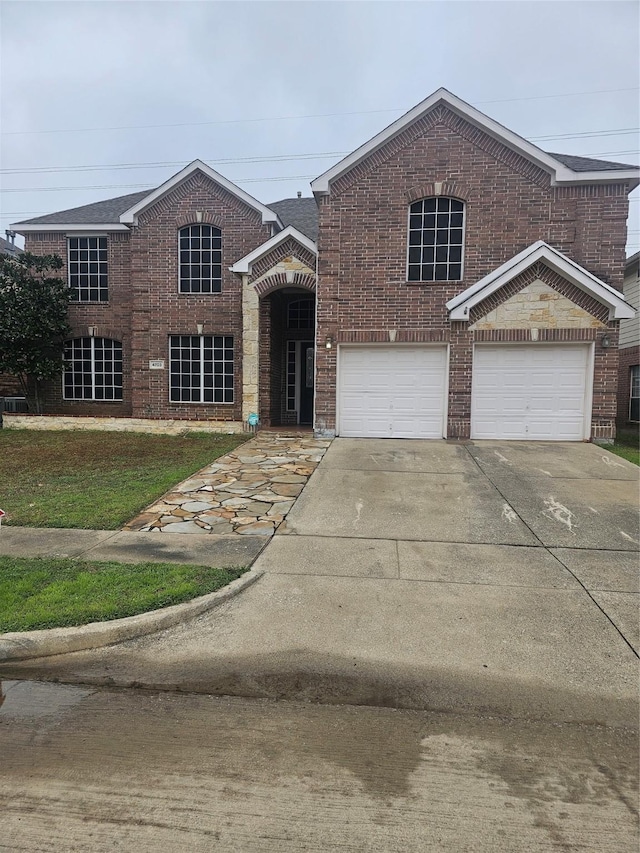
306 373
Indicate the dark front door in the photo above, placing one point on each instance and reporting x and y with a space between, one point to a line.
306 382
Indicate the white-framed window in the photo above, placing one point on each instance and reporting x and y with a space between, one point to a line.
88 269
200 248
93 369
301 314
201 369
436 239
291 375
634 395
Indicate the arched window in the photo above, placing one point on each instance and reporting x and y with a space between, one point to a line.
436 239
200 259
301 314
93 369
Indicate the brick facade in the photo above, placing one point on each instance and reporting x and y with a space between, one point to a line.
628 357
145 307
363 295
363 292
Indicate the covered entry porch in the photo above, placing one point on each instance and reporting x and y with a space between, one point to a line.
279 321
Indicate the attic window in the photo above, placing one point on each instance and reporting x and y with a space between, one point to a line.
436 239
200 259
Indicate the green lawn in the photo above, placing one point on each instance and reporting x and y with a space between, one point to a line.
44 592
627 445
95 479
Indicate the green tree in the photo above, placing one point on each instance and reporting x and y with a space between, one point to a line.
33 321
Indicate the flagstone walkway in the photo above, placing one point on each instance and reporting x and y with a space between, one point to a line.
248 491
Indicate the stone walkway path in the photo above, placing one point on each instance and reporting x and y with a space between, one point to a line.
248 491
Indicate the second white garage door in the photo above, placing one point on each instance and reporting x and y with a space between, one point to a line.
392 391
530 392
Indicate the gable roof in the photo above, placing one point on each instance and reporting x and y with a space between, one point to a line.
7 248
105 212
460 306
588 164
130 216
302 213
244 264
561 171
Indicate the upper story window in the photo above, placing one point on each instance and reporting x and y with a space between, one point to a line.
436 238
301 314
88 277
93 369
200 259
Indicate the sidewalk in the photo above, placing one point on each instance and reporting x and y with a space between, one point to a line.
122 546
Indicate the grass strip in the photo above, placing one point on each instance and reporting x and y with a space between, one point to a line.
96 480
627 445
45 592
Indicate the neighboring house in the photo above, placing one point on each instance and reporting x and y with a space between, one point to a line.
8 247
467 284
629 369
9 385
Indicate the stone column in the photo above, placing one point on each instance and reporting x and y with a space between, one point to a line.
250 329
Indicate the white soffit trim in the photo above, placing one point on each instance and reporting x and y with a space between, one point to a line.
45 227
560 174
243 266
131 215
460 306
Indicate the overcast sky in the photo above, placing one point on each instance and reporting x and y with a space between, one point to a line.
103 84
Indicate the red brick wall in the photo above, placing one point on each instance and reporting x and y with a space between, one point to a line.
144 305
112 319
629 356
362 284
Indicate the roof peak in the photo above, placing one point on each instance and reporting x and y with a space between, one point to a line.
560 172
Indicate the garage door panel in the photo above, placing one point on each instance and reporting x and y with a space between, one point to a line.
392 392
529 392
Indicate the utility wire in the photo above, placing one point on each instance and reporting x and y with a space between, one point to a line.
275 158
297 118
149 186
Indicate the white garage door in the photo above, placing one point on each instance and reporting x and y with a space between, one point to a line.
392 391
530 392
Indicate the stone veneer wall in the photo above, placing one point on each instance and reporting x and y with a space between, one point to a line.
160 426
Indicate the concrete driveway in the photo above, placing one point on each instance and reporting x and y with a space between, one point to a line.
488 576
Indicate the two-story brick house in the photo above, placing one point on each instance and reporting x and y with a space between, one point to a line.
467 285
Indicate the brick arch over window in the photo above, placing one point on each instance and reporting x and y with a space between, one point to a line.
436 239
452 188
200 258
280 280
199 217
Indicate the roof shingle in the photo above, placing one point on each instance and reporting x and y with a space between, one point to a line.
302 213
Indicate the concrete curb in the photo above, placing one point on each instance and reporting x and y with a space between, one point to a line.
21 645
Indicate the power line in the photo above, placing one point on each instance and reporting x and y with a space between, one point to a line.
275 158
297 118
149 186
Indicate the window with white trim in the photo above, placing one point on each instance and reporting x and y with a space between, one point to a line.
436 239
88 269
634 396
93 369
200 259
291 376
201 368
